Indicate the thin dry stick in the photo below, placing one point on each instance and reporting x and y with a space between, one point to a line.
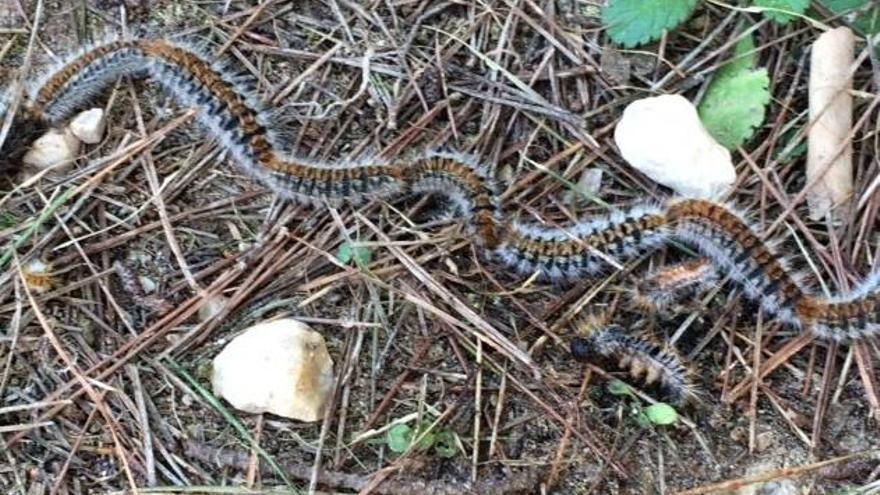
735 484
144 419
61 475
478 394
869 376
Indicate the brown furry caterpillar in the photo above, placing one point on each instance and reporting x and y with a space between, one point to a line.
246 127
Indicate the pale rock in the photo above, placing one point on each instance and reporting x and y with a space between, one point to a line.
55 148
280 367
663 137
89 126
764 440
590 181
780 486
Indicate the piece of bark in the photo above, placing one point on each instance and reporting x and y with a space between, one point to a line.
829 155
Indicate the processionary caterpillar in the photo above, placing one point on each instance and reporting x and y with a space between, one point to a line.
245 127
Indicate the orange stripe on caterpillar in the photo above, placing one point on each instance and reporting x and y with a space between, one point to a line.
725 238
841 320
657 290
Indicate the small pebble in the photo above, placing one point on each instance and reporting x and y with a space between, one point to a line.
763 441
56 149
589 184
89 126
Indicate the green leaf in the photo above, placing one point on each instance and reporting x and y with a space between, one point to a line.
734 105
778 10
661 414
399 437
617 387
426 440
744 58
634 22
445 445
862 15
348 252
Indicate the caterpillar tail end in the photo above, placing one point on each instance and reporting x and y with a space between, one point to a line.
643 359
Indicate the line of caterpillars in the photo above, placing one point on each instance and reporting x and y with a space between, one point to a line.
243 124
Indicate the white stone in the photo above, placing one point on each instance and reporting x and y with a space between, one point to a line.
55 149
281 367
89 126
663 137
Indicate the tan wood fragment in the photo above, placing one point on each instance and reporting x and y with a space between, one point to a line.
829 155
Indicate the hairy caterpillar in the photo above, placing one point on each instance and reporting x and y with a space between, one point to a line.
642 357
244 126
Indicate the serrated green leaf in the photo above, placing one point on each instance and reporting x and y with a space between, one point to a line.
349 252
399 437
634 22
744 57
862 15
780 11
661 414
734 105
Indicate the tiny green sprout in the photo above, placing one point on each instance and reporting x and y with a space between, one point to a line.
661 413
786 152
617 387
426 440
349 251
641 418
445 445
399 437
